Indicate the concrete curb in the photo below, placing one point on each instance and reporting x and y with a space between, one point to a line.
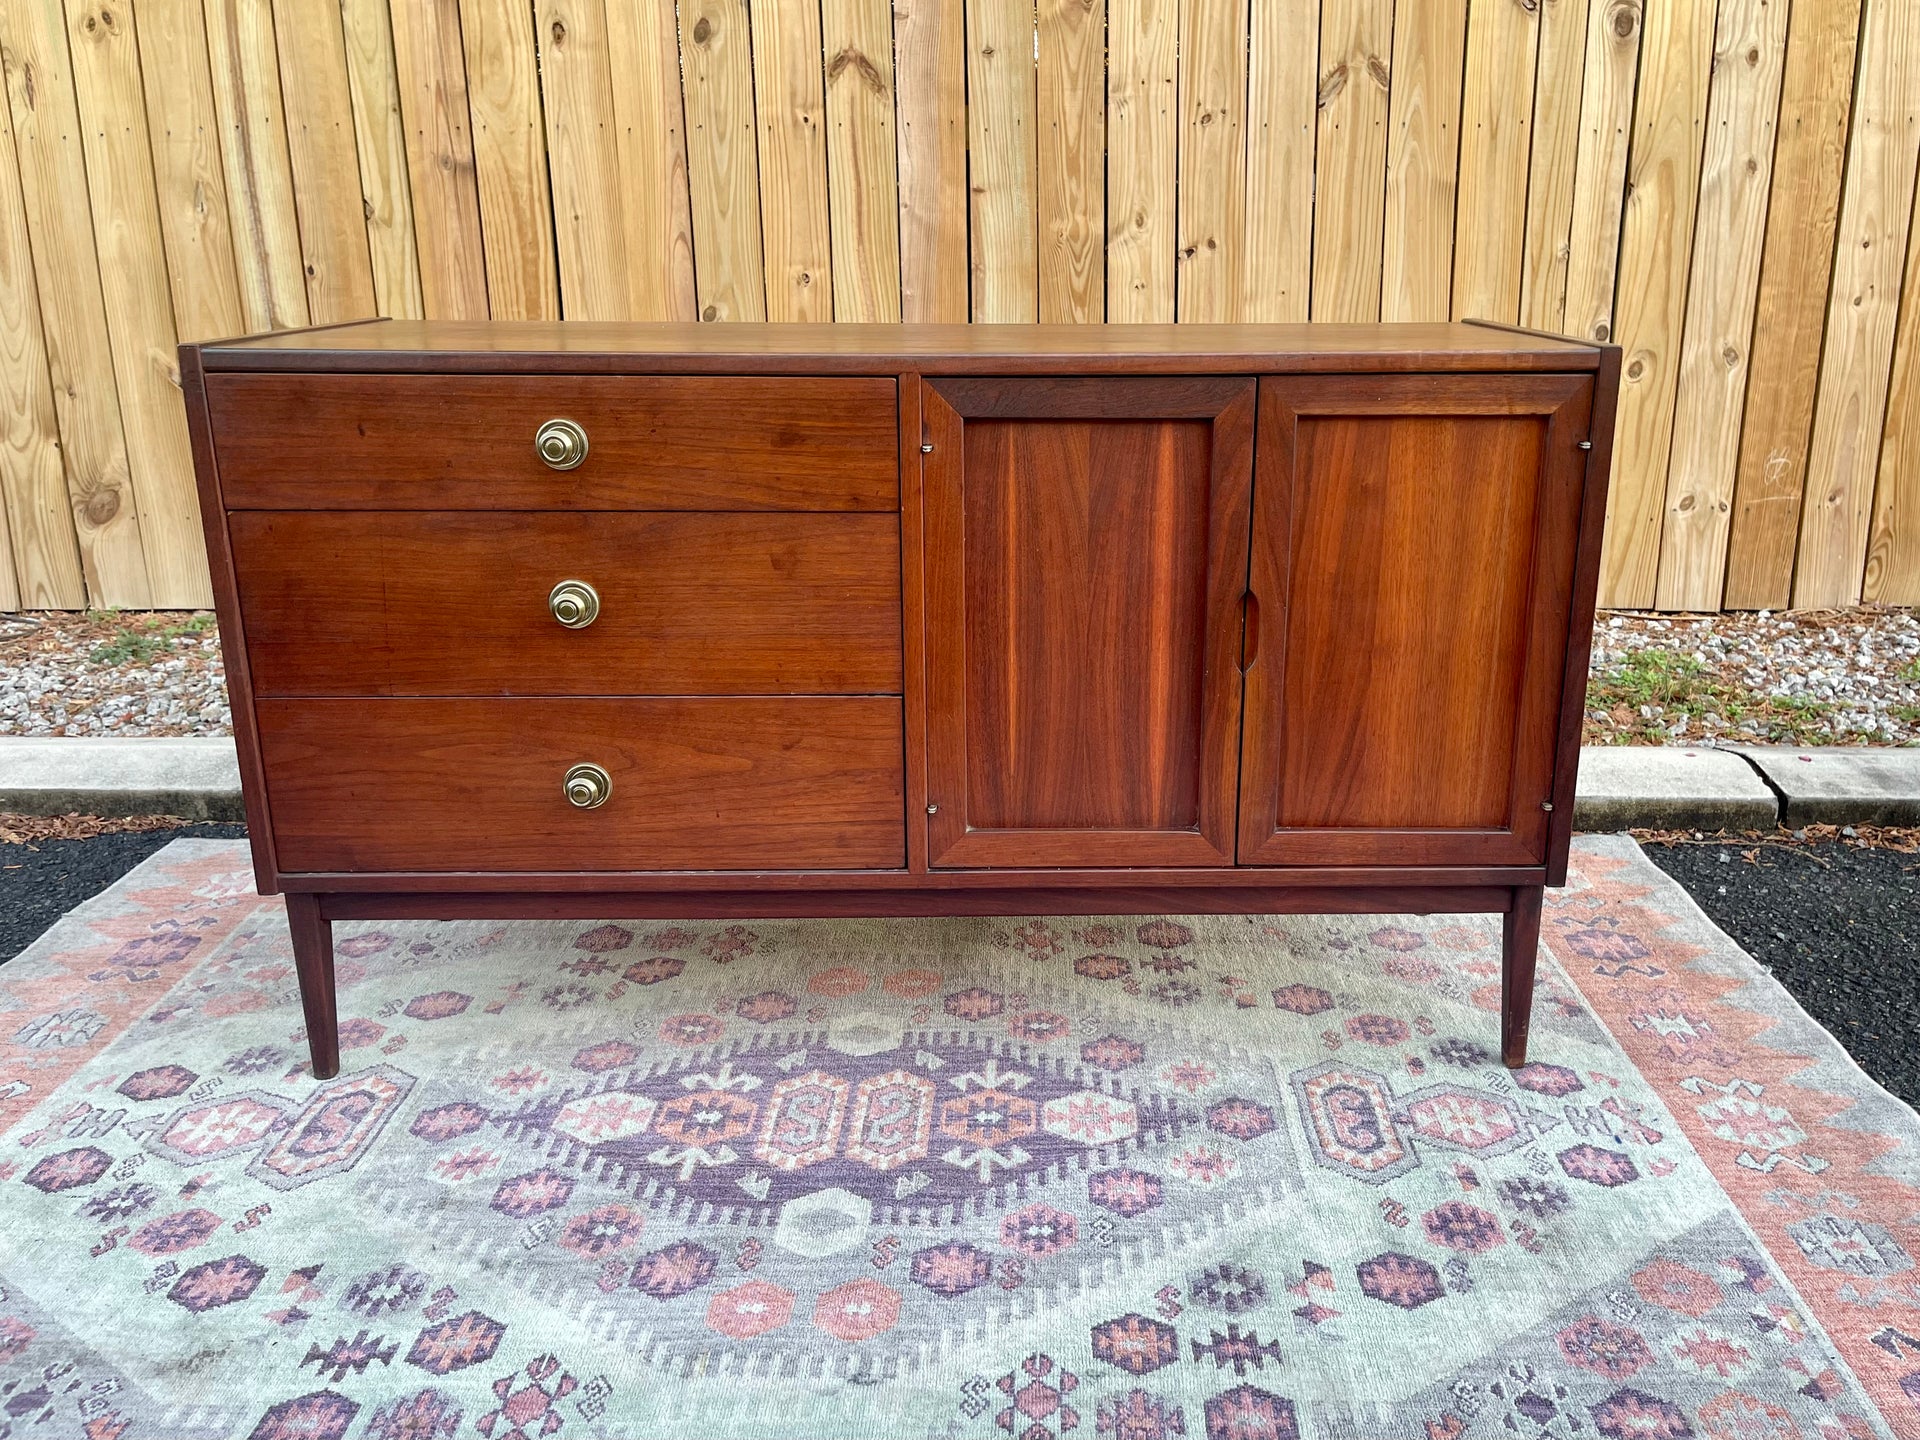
1627 787
1834 786
198 778
1620 788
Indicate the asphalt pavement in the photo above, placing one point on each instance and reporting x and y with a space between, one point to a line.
41 881
1838 925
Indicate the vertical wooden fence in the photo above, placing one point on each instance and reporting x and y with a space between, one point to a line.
1726 189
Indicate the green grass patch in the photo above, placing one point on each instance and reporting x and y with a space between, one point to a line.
1669 685
142 644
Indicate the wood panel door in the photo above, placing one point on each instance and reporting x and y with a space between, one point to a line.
1414 546
1086 555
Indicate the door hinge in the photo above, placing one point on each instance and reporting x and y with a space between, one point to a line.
926 447
1583 445
933 808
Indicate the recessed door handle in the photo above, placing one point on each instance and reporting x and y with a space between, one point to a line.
1249 630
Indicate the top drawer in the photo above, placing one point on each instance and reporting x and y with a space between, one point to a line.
465 442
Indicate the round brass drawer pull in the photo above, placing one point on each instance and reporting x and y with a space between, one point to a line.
574 603
588 786
562 444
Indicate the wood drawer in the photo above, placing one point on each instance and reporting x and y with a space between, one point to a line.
410 603
779 783
465 442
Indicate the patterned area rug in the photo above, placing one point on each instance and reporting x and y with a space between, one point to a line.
1223 1177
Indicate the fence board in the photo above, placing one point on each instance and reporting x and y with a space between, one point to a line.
245 65
510 160
1892 574
1000 153
312 46
380 142
1142 146
1656 231
1423 158
1736 171
44 557
430 63
1809 161
723 175
789 104
53 187
1356 41
930 49
133 275
1863 310
1072 160
643 62
863 194
1496 143
189 184
1614 33
1556 154
9 583
1213 176
583 159
1282 87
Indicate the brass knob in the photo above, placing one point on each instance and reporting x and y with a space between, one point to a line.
588 786
574 603
562 444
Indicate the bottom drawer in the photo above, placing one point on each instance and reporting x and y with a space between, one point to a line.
775 783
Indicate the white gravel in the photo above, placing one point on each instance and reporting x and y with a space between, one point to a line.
1849 677
51 685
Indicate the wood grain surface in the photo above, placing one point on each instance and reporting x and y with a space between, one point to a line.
1085 559
380 137
864 198
789 108
432 77
1142 148
929 43
66 270
427 603
698 784
332 209
1809 163
139 307
33 487
888 349
1404 710
1001 156
1736 178
1350 162
655 443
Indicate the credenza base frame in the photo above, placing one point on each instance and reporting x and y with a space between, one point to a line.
310 917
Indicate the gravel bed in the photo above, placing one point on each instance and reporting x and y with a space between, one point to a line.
104 673
1815 677
1841 677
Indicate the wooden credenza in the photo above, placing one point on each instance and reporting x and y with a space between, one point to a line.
734 620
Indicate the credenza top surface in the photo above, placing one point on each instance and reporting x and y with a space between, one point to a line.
483 346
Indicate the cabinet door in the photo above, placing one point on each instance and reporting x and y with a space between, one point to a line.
1414 544
1086 555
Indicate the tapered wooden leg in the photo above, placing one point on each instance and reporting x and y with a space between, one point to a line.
313 958
1519 948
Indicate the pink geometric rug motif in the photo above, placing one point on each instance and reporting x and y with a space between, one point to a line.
1131 1178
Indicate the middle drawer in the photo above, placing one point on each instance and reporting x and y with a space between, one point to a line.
460 603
